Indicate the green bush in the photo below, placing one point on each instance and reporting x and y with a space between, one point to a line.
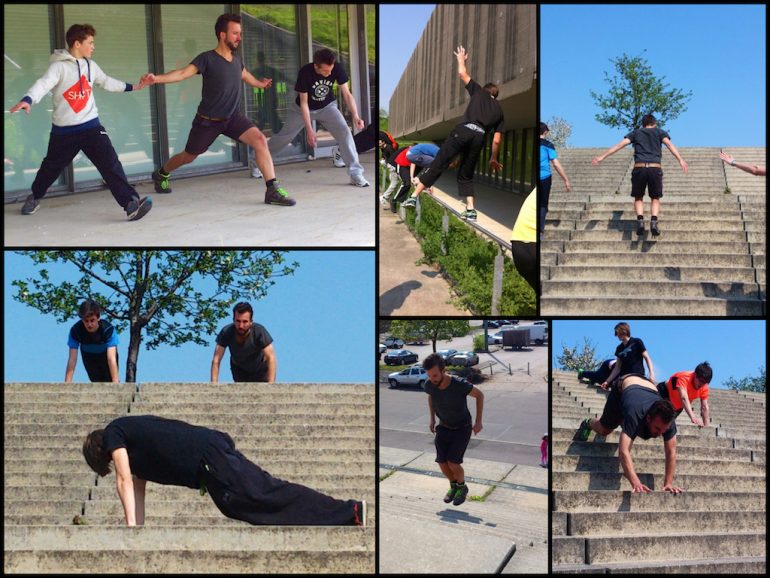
479 343
469 263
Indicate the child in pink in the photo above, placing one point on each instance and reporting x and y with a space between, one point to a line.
544 451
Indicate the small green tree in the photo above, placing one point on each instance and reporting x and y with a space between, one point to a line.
559 131
429 329
151 292
635 91
579 357
756 384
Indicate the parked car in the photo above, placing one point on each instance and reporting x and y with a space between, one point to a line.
493 324
464 358
400 357
446 353
394 343
414 375
383 348
494 338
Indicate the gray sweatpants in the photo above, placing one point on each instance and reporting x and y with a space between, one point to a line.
331 117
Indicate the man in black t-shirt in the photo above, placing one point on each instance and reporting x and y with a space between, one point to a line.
630 355
316 101
482 116
171 452
447 399
647 172
219 110
252 357
635 405
98 343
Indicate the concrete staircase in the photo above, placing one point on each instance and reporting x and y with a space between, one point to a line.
319 435
716 526
709 259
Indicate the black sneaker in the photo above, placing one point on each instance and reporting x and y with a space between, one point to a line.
31 205
582 433
160 179
138 208
469 215
654 228
276 195
640 228
462 492
359 513
450 495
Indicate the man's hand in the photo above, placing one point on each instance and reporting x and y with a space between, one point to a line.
673 489
432 426
683 165
358 122
147 79
596 160
604 385
640 488
21 105
697 421
568 185
477 427
495 166
265 82
311 140
460 53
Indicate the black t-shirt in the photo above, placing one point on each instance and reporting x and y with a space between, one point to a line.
221 95
319 88
483 110
450 404
647 144
160 450
630 355
636 402
246 356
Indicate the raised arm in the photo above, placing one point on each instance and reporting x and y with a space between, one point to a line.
177 75
462 71
751 169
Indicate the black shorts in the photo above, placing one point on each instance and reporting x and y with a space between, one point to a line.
612 416
451 444
204 131
650 178
242 376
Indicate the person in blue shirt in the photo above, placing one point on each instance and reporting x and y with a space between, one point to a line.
548 156
98 344
420 156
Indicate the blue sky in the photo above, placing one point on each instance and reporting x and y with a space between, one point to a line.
321 320
717 51
401 26
734 348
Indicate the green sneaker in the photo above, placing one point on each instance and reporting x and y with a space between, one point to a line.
450 495
582 433
460 495
160 180
580 374
277 195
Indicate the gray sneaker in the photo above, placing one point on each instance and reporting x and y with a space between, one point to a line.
138 208
276 195
359 181
469 215
410 202
31 205
255 172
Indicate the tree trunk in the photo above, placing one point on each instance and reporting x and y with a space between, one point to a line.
133 352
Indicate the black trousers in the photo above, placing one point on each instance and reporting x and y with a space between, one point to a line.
239 375
244 491
525 261
96 145
97 368
403 192
461 140
601 374
543 192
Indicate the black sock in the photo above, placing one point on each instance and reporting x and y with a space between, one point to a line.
654 218
640 217
270 183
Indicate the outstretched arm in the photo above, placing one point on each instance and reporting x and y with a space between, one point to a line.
251 80
675 152
462 72
752 169
177 75
611 151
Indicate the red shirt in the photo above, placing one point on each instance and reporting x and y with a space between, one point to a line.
401 159
685 378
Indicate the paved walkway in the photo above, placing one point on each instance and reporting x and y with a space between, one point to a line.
405 287
212 211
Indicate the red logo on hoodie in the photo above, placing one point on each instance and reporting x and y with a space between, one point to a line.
77 99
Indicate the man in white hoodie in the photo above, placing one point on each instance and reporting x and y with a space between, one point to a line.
70 78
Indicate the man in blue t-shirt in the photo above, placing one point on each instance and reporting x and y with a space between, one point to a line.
316 101
98 344
648 172
548 156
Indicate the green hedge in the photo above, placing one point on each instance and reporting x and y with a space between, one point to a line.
469 262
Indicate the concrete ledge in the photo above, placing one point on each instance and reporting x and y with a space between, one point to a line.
625 501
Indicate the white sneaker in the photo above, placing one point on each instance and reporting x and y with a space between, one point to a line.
338 162
384 200
359 181
255 172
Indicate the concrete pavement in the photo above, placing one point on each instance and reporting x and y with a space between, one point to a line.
224 210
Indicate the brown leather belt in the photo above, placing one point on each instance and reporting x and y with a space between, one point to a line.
646 165
209 118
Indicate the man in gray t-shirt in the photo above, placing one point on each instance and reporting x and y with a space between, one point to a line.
648 171
252 357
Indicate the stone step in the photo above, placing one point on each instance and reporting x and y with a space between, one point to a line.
192 549
641 273
671 248
685 307
627 232
621 523
660 288
608 449
616 549
654 465
224 390
257 398
732 566
15 507
617 481
627 501
221 420
327 409
61 388
54 397
641 259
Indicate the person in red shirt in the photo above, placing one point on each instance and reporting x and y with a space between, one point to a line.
684 387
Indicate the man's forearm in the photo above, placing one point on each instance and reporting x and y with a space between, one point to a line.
351 104
479 407
215 371
305 109
126 494
670 466
628 468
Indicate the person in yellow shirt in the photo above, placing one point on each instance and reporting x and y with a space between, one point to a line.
524 241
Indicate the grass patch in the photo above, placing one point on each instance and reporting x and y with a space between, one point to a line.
483 497
386 476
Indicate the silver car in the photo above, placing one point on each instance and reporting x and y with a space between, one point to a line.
414 375
464 359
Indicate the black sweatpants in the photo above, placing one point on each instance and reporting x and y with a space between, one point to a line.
601 374
463 141
97 368
239 375
543 192
525 261
244 491
403 192
96 145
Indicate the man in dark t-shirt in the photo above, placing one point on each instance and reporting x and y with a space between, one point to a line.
630 355
647 172
635 405
171 452
252 357
447 399
316 101
219 110
98 343
483 115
